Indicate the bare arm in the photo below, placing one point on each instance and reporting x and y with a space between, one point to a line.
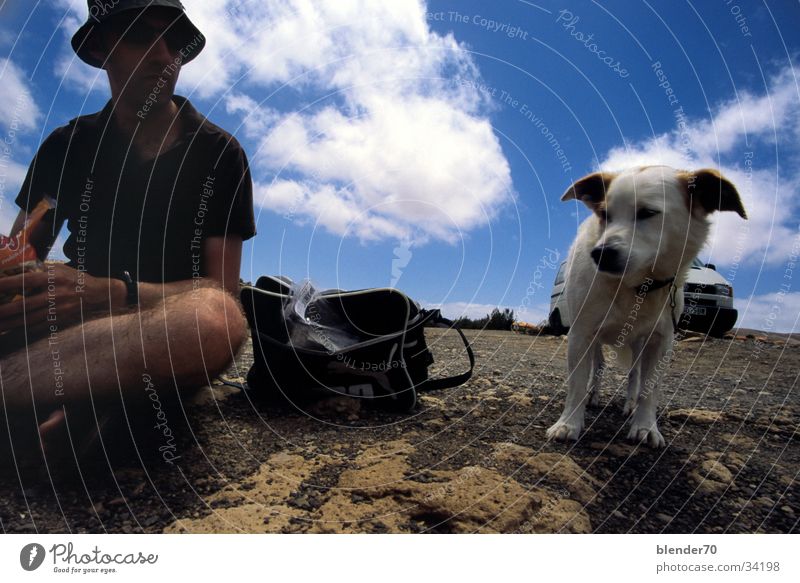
220 269
222 257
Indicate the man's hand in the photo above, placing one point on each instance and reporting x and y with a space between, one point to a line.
55 295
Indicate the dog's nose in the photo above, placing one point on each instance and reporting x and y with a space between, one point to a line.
606 258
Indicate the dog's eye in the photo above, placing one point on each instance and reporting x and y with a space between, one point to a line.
646 214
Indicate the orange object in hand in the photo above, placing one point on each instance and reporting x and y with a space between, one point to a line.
18 252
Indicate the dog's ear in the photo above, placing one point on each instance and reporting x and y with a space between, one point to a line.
711 191
590 190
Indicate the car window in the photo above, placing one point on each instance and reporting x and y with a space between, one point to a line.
560 274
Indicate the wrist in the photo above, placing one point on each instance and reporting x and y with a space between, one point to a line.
116 296
131 289
118 293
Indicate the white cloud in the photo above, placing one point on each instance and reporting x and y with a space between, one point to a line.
75 74
758 116
737 139
403 169
774 312
7 215
346 44
19 112
396 150
257 118
12 175
6 37
79 76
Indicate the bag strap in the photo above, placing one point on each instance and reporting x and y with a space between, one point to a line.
228 382
435 319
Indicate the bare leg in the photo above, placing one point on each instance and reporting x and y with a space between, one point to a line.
184 341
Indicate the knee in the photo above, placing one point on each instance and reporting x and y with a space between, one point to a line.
220 319
221 328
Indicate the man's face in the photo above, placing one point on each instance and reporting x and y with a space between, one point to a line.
140 47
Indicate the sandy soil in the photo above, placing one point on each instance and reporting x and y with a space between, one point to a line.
470 459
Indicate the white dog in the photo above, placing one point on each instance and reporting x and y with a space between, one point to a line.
625 276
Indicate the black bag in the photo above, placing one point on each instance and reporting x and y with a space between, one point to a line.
367 344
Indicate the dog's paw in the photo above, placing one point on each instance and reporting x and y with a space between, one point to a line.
648 434
629 408
562 431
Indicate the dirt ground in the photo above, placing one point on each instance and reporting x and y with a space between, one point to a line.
470 459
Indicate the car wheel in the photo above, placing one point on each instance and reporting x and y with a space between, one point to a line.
556 327
720 326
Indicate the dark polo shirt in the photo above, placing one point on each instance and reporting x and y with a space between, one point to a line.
149 217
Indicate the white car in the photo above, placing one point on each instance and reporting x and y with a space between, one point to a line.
708 302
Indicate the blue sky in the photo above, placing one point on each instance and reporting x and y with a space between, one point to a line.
426 145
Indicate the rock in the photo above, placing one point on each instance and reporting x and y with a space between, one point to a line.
269 492
302 502
698 416
712 477
520 400
465 500
716 471
553 467
623 449
337 406
430 401
209 395
664 517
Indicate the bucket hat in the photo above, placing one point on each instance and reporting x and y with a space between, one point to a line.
103 11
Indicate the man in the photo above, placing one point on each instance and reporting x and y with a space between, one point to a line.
157 201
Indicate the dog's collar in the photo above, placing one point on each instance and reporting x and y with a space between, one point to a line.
653 284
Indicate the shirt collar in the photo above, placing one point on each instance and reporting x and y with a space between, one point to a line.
192 119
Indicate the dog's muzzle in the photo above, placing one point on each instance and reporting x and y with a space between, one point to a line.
608 259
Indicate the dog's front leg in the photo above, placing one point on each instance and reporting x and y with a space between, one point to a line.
580 354
598 371
634 380
634 377
654 360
